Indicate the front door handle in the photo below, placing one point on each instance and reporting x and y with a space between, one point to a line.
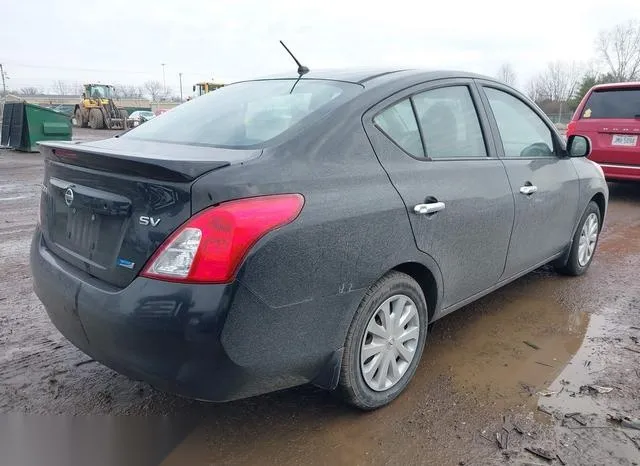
427 209
528 189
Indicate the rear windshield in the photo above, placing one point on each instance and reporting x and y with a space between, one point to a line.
614 103
245 114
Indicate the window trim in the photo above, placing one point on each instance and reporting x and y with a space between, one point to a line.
416 89
388 136
559 150
420 133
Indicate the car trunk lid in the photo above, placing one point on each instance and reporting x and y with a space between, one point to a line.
107 206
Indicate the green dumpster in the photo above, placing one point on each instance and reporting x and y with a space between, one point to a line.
24 125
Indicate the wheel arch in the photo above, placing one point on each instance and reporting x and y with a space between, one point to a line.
599 199
601 202
430 282
427 281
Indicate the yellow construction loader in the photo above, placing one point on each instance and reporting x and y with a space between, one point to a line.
204 88
97 109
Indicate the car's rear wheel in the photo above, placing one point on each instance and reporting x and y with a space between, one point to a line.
584 243
384 343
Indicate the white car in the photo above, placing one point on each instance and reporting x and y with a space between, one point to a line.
139 116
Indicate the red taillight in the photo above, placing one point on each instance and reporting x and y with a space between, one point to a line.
64 153
211 245
571 127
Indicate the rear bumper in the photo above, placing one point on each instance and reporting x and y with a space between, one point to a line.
169 334
620 172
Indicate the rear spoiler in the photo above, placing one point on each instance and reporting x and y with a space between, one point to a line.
162 168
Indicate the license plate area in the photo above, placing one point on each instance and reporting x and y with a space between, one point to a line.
82 230
624 140
88 234
86 223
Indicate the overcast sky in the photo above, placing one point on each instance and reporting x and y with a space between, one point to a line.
123 41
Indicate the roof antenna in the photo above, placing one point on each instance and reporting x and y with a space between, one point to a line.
302 70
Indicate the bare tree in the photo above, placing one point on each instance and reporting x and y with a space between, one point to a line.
555 86
128 92
506 74
66 88
30 91
167 94
619 49
61 87
534 89
154 90
140 92
557 83
76 88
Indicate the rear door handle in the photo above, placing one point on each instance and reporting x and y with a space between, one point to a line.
426 209
528 189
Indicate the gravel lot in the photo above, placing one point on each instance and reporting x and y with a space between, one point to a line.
477 374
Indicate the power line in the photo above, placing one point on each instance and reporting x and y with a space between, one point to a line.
93 70
67 68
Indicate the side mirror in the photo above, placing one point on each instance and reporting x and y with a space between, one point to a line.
194 88
578 146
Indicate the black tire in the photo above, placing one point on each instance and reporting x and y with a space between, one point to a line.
352 386
78 118
573 266
80 121
96 119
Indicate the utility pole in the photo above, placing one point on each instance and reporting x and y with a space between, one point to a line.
180 74
164 83
4 86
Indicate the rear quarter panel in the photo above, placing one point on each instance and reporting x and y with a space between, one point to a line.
311 274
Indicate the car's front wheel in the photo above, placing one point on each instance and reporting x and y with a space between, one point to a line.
384 343
584 243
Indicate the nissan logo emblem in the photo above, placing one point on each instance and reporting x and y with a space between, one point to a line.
68 197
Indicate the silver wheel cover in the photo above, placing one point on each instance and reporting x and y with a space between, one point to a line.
390 342
588 239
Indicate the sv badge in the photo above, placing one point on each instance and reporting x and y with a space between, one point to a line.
144 220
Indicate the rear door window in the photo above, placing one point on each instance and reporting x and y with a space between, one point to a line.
399 123
613 103
449 123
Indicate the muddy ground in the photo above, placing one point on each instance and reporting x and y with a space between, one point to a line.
477 375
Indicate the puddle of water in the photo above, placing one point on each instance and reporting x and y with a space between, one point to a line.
587 432
473 368
596 363
619 245
580 371
495 355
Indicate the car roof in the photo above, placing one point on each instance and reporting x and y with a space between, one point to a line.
370 77
616 85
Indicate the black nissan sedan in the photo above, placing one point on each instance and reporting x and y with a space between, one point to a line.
306 229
